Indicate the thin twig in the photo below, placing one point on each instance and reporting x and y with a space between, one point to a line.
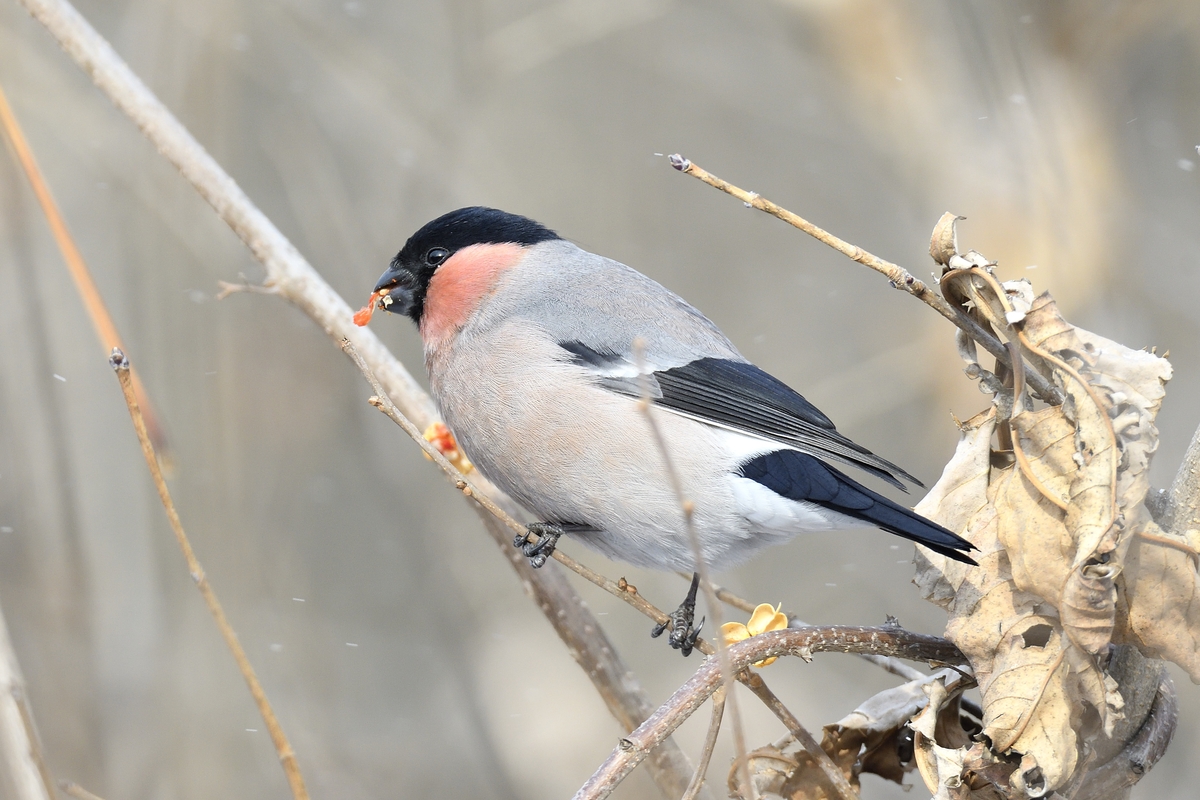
890 641
688 509
35 742
228 288
85 284
710 742
283 747
77 791
833 774
899 277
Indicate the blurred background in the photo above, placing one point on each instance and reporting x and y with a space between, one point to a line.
399 651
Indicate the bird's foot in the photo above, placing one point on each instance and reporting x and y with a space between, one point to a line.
683 636
537 552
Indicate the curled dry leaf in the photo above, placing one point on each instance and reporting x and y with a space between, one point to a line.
941 767
1160 597
875 737
770 768
943 245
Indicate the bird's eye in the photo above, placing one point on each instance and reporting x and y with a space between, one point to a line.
436 256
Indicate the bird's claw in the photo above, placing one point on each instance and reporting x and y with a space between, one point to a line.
683 636
537 552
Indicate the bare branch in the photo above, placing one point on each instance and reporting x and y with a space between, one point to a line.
899 277
891 641
85 284
228 288
1112 780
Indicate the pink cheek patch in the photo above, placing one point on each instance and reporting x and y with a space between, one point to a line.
460 284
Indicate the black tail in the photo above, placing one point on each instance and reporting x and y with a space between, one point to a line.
799 476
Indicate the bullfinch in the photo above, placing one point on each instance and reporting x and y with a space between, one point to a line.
538 354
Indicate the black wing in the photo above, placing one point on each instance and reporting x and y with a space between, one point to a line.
737 395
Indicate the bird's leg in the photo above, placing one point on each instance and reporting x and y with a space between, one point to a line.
683 636
548 534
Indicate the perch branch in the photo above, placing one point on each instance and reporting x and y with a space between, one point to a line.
296 281
1113 778
897 275
803 643
283 747
892 665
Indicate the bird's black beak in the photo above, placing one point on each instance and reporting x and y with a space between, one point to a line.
401 284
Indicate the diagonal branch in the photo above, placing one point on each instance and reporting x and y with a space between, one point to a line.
836 778
297 281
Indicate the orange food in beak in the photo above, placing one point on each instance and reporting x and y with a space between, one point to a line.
363 315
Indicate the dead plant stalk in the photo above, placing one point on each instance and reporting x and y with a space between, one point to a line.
283 747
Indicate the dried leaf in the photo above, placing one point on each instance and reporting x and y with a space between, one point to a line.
1113 417
1054 533
874 737
1030 525
1161 597
1029 702
958 496
807 781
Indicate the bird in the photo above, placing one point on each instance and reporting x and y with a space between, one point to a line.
539 354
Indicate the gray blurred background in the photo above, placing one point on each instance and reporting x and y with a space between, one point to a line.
401 654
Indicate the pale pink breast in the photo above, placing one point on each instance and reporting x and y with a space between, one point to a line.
460 285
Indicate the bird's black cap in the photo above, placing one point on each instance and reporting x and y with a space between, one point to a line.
413 267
